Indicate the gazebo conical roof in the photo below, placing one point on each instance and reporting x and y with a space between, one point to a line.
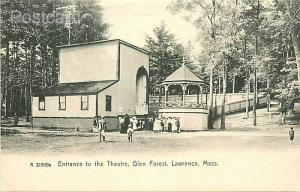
183 75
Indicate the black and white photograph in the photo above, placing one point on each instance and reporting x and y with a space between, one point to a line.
150 95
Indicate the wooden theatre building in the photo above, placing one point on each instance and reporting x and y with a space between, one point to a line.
104 78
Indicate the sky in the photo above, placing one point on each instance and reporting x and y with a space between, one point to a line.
131 20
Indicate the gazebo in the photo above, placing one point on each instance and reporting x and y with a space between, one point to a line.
185 97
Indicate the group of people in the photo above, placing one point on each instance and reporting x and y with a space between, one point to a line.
133 121
162 124
129 125
167 124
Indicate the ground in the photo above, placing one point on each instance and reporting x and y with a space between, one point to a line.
239 135
248 159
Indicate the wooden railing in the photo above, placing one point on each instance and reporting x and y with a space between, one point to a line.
181 104
238 106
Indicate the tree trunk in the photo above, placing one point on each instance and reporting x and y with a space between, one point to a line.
32 60
255 70
268 95
219 85
247 97
211 88
210 111
233 84
26 87
254 98
256 89
6 74
224 97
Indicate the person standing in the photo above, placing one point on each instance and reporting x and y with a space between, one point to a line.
130 133
102 128
95 125
283 113
165 124
126 123
169 124
134 123
178 124
121 121
162 124
291 134
174 125
16 120
157 126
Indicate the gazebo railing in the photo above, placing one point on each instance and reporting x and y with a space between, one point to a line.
181 104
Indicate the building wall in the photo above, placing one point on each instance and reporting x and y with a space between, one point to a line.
190 119
112 91
130 61
84 124
94 62
112 123
73 107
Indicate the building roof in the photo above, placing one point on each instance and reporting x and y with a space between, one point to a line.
106 41
89 87
183 74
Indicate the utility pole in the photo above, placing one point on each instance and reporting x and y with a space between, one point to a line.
68 11
160 71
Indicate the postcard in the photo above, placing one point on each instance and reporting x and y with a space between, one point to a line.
170 95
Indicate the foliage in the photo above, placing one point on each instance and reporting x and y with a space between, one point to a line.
166 55
29 51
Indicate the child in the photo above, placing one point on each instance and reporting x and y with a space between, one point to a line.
291 133
129 133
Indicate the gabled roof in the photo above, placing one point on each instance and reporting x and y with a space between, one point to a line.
89 87
183 74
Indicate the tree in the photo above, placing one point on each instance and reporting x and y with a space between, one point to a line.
165 55
293 7
207 17
217 22
29 45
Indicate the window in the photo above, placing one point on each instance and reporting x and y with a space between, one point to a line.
41 103
62 102
84 102
107 103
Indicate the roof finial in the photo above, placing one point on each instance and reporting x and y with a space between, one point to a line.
183 61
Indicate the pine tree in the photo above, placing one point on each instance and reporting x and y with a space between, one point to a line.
165 55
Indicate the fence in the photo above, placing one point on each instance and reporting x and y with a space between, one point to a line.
238 106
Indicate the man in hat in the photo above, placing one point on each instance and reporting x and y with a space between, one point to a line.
102 128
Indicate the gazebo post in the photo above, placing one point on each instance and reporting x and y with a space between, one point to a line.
166 94
198 91
201 92
206 97
159 95
183 86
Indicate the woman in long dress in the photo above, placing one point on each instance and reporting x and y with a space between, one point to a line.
174 125
157 125
134 123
